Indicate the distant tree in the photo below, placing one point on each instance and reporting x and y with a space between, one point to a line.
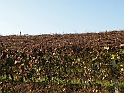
20 33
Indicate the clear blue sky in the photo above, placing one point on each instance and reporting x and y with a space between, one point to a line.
58 16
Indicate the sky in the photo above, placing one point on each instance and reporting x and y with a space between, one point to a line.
35 17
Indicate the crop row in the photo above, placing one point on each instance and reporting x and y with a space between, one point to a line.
83 59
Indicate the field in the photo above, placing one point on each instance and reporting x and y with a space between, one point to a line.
62 63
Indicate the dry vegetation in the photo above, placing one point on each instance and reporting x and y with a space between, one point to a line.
69 63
